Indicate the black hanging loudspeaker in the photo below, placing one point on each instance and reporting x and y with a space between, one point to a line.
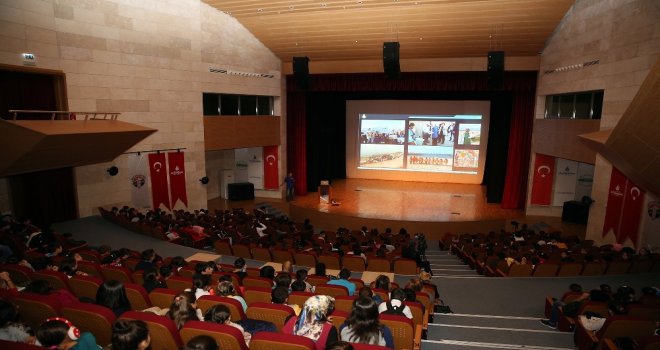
495 69
113 170
391 59
301 72
204 180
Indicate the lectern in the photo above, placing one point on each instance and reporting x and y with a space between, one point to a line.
324 191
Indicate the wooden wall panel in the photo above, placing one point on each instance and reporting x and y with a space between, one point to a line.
229 132
559 138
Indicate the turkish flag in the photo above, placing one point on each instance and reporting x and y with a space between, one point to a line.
271 173
177 176
618 183
633 203
158 172
544 170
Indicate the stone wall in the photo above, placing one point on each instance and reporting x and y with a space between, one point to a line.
148 60
625 37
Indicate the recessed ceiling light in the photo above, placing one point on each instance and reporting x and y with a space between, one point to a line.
324 5
260 10
290 7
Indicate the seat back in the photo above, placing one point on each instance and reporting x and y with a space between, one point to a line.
626 326
546 270
316 280
569 269
90 268
331 290
179 283
163 331
91 318
299 298
118 273
261 282
57 280
234 277
641 266
424 298
358 283
343 303
262 254
256 294
35 308
275 313
416 308
331 262
241 251
520 270
162 297
227 337
85 286
618 267
305 259
379 265
402 329
90 255
405 267
137 296
594 268
235 307
21 275
382 293
271 341
353 263
223 247
650 312
282 255
360 346
187 272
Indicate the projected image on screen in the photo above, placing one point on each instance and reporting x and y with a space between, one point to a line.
440 143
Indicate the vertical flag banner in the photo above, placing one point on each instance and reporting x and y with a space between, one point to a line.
158 173
565 179
618 183
177 176
544 169
271 173
137 172
631 214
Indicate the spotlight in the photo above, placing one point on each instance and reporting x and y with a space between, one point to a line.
204 180
113 170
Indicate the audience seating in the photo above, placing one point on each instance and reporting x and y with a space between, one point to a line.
90 255
119 273
35 308
566 298
179 283
91 318
7 344
403 330
382 293
256 294
516 270
299 298
241 251
260 282
650 312
405 267
253 271
305 259
162 297
21 275
546 270
594 268
316 280
130 263
163 331
187 272
359 346
344 303
353 263
85 286
379 265
227 337
614 327
641 266
234 277
137 296
339 317
331 290
358 283
331 262
280 341
235 307
569 269
281 255
618 268
567 324
275 313
223 247
90 268
57 280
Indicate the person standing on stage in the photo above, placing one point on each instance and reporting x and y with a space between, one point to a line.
289 180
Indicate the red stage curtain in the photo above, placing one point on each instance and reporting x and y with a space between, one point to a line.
522 85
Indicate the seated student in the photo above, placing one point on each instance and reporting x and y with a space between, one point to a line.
368 293
59 333
344 275
220 314
204 268
8 289
362 326
382 282
571 309
227 289
153 280
319 270
301 275
357 251
280 295
239 269
425 277
184 309
11 330
283 280
395 305
69 266
299 286
267 272
130 335
201 285
112 294
313 322
201 342
148 256
178 262
43 287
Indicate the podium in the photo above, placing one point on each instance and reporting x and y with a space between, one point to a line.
575 212
240 191
324 191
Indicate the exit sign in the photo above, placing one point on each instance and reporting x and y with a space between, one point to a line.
29 59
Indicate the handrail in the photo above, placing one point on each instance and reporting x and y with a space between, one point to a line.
72 115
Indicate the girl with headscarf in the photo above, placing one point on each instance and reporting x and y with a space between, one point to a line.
313 322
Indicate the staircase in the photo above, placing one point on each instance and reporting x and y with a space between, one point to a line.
443 263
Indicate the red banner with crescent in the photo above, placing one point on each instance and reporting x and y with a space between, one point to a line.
158 172
544 170
271 173
177 176
618 183
631 215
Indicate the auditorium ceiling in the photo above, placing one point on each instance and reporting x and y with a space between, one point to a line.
335 30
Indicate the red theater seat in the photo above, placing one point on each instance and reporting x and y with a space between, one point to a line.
163 331
227 337
280 341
